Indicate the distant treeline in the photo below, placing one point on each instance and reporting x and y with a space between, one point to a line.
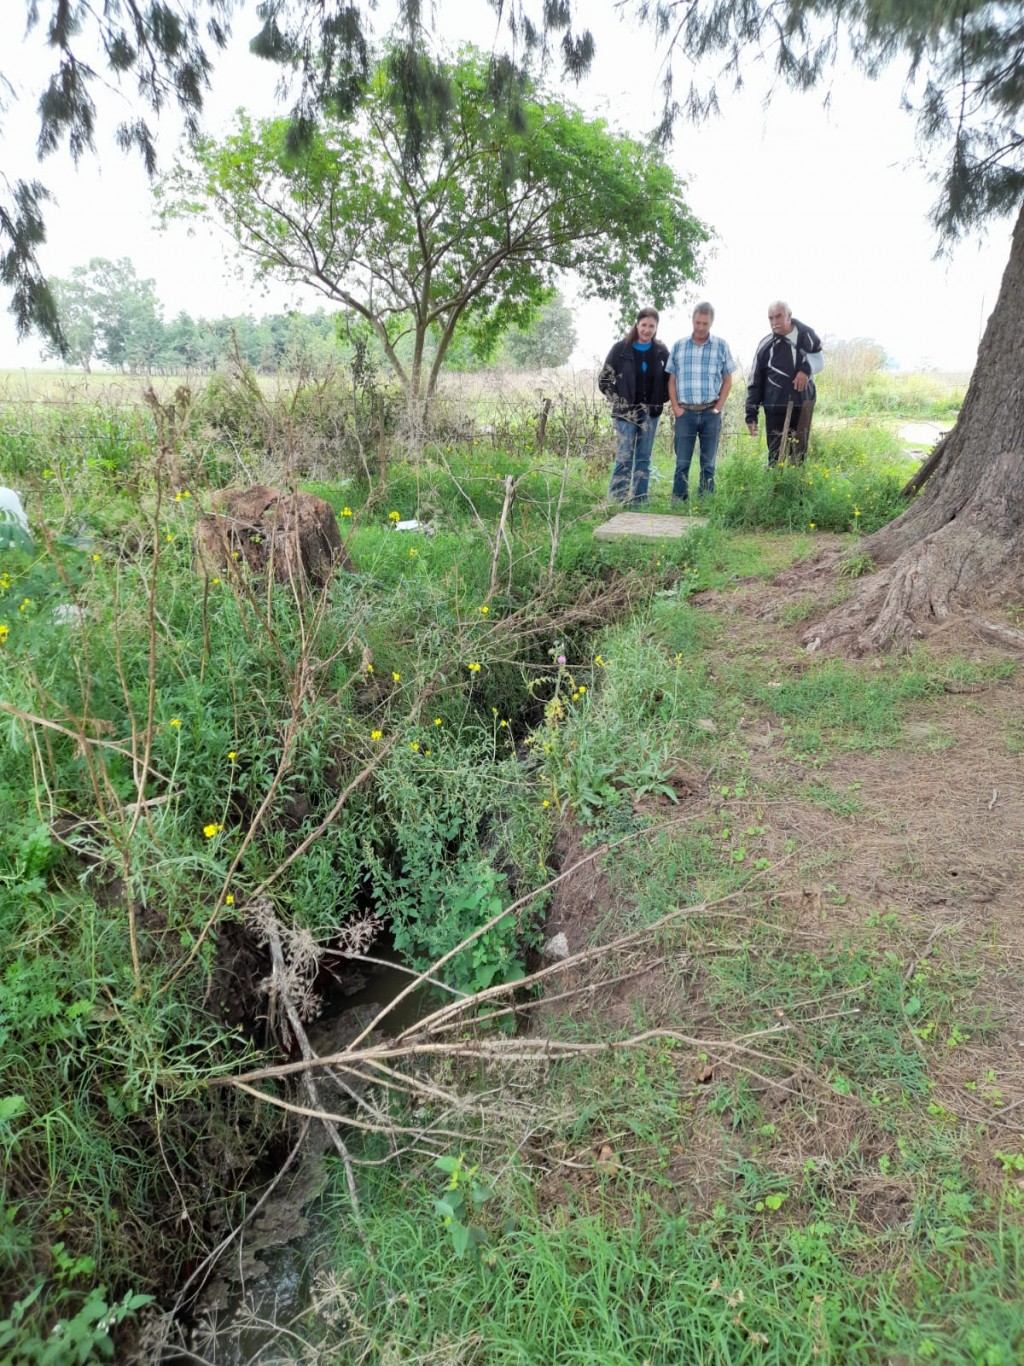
112 318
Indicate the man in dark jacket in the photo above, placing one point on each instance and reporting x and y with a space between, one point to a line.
633 378
782 374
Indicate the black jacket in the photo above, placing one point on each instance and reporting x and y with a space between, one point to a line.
774 367
617 380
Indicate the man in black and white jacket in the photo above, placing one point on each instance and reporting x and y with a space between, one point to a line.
785 363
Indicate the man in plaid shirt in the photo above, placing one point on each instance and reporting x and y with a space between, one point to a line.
699 373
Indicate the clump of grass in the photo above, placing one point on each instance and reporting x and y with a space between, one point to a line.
841 487
855 565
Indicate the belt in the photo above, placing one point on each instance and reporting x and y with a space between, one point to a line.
697 407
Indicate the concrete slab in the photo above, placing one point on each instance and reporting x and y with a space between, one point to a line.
647 526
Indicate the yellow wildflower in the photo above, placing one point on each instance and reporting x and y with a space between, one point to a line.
232 755
376 734
210 830
438 721
473 668
346 512
175 722
229 900
485 609
414 744
5 631
397 677
394 516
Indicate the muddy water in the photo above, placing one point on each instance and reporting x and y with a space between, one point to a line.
263 1281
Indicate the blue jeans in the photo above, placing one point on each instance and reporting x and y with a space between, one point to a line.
631 471
689 426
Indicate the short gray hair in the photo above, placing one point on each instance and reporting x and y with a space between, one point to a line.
780 303
706 309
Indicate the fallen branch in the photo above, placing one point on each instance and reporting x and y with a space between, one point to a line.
280 987
917 481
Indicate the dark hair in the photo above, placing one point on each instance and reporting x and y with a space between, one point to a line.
633 335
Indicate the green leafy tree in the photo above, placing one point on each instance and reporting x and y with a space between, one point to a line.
166 50
107 312
183 343
73 298
549 340
128 316
468 230
963 537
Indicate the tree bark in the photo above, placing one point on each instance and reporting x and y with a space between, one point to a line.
961 540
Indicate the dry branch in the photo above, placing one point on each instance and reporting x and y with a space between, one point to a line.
280 986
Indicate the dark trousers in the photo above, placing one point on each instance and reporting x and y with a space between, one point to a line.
796 437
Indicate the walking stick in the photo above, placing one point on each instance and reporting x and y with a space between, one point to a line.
785 430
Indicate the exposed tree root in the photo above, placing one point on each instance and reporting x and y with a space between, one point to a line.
936 576
995 632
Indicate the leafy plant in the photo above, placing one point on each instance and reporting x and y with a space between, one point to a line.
84 1337
464 1197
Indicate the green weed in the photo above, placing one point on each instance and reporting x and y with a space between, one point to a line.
844 486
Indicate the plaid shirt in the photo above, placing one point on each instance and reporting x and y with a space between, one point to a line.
699 370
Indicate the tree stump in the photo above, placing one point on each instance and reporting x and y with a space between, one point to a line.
293 535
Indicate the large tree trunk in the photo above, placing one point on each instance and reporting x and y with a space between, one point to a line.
961 540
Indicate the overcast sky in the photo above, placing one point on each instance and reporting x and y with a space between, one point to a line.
824 208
